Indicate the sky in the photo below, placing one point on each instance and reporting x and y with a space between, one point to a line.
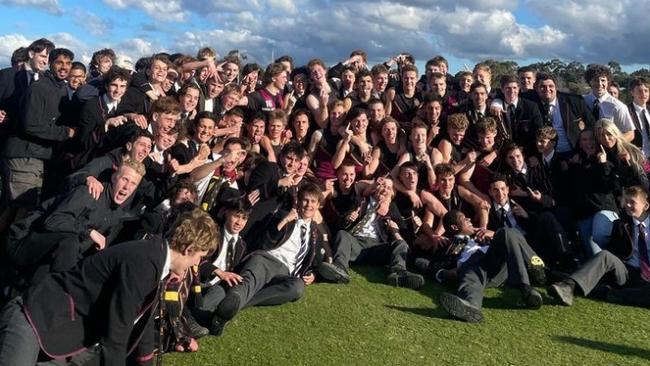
463 31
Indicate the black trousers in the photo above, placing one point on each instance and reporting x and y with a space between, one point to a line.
366 250
43 252
506 261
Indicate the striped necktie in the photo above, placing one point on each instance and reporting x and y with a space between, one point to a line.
304 239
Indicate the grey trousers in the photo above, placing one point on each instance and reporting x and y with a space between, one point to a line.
267 282
589 275
506 261
366 250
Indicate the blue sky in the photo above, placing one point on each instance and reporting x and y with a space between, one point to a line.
464 31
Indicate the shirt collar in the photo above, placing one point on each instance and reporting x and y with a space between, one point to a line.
549 157
227 236
646 222
168 263
638 108
498 207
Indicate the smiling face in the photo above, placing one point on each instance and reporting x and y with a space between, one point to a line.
599 85
308 206
486 140
76 78
276 127
204 130
635 205
116 89
235 221
433 110
376 112
157 72
61 66
418 136
317 74
140 149
499 192
346 176
360 124
165 121
230 71
456 135
479 97
546 90
380 81
438 86
527 80
189 100
515 160
605 138
165 141
124 182
38 60
409 79
446 183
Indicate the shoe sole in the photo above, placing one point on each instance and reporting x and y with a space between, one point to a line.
331 273
557 294
412 281
458 309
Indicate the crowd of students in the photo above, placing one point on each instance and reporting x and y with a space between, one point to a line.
144 206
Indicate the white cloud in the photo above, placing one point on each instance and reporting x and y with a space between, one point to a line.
51 6
96 25
8 44
166 10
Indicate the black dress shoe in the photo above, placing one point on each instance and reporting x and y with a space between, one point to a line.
532 298
196 330
217 325
563 291
333 272
460 309
230 305
405 278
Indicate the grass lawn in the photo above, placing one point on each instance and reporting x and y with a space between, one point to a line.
370 323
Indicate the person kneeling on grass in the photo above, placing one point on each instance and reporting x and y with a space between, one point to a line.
102 311
278 273
507 258
626 257
373 236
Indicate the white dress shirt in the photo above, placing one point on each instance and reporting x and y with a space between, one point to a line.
612 109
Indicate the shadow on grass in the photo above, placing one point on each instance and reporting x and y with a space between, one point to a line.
436 313
619 349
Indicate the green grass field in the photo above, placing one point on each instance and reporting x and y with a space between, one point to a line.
370 323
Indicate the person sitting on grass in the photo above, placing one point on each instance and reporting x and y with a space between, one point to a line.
489 258
279 272
373 235
626 257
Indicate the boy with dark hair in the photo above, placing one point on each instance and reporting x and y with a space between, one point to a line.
487 257
284 266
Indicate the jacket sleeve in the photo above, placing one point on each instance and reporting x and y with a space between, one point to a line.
93 169
35 121
126 301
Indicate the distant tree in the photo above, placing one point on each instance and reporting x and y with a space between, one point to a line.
500 68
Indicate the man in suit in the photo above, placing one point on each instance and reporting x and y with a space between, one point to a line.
476 109
105 307
626 259
489 258
272 181
521 117
568 114
203 131
638 108
188 98
209 100
286 263
541 229
372 235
